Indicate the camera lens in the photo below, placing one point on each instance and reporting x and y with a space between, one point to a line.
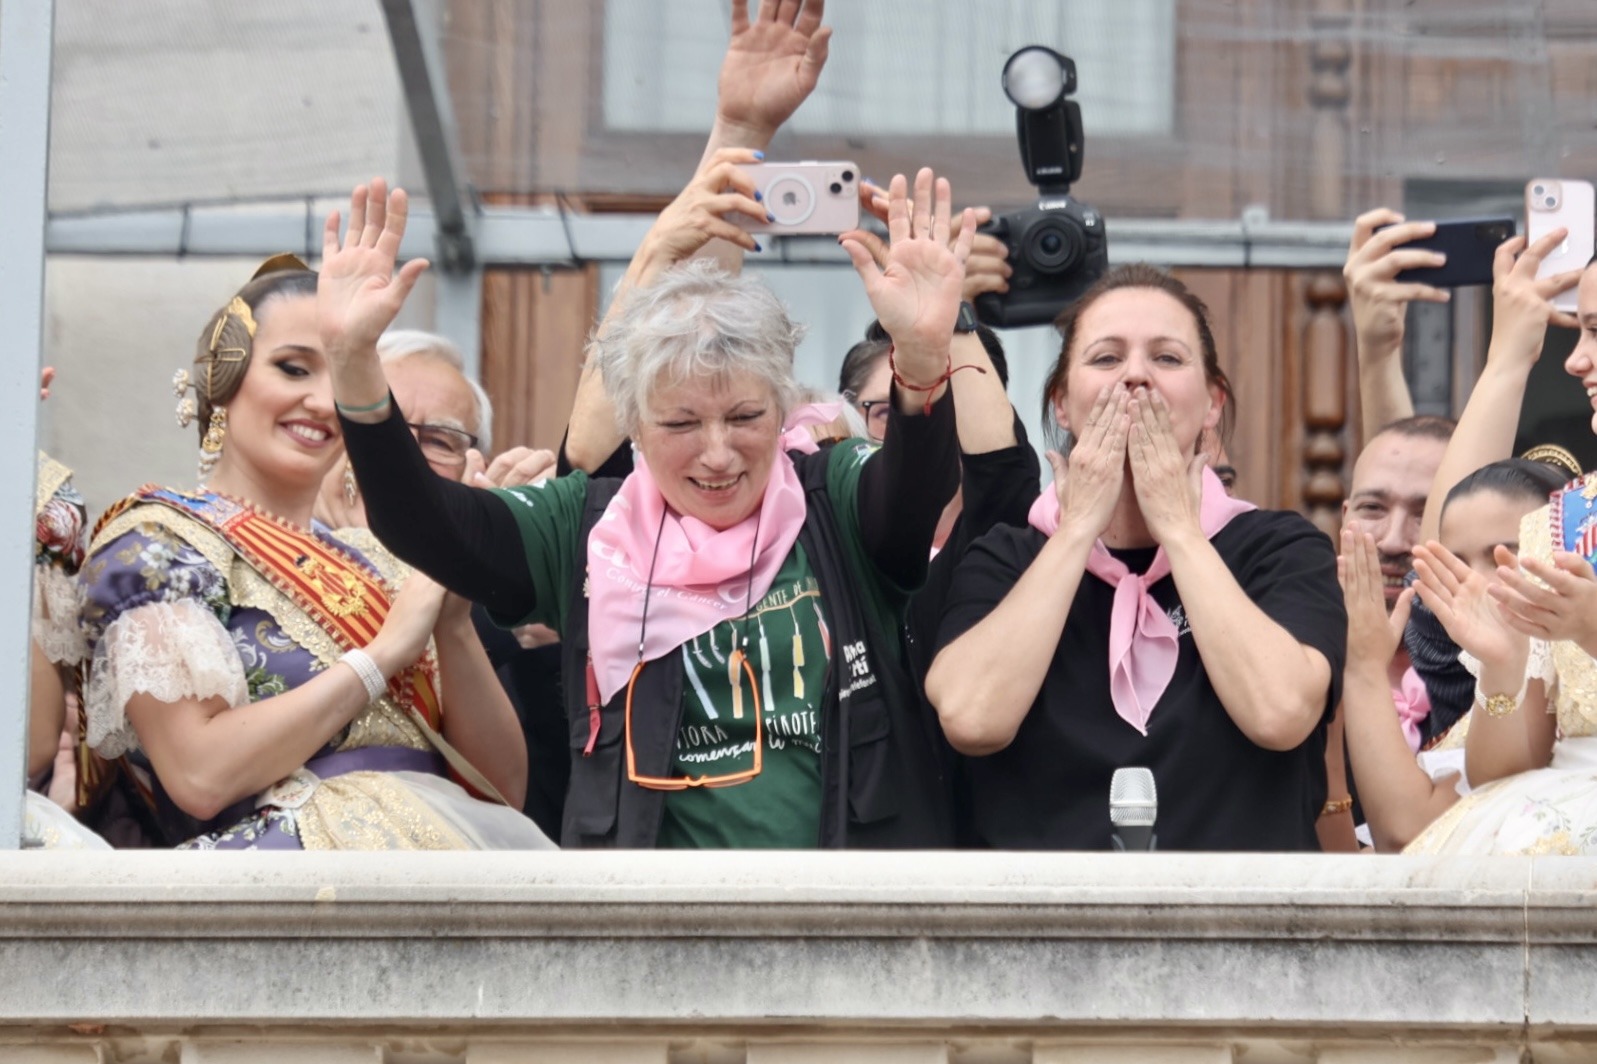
1550 201
848 175
1538 190
837 187
1053 245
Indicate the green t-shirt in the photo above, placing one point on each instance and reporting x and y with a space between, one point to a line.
789 651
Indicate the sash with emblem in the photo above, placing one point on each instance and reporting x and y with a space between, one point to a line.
1572 513
347 599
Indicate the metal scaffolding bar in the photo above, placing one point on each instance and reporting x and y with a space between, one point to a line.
26 33
540 236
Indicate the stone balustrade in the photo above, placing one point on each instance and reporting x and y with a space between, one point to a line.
722 958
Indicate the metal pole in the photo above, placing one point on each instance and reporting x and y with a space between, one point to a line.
26 33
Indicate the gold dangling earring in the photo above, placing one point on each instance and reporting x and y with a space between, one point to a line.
211 445
351 489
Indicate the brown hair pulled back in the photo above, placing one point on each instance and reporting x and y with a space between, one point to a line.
217 379
1137 275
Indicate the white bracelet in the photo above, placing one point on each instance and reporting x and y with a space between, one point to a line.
1500 706
366 670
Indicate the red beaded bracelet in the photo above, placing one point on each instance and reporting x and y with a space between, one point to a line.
934 385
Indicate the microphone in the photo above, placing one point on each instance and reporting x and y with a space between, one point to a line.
1133 805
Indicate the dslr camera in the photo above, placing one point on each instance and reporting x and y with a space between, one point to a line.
1058 246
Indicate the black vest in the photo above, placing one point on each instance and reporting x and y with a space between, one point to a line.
889 766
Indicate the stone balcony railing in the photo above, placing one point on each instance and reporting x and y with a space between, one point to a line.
658 958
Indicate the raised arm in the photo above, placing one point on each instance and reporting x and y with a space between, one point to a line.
1399 798
771 66
466 538
1379 302
1521 312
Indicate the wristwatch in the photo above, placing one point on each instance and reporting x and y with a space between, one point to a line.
966 322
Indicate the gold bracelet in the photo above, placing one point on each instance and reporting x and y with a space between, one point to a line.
1337 805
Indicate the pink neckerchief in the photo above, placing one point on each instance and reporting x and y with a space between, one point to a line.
1413 703
1143 642
701 575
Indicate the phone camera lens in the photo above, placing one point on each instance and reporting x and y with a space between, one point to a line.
848 175
837 187
1538 190
1550 201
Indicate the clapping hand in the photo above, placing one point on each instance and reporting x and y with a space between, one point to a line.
916 292
1562 606
1373 636
358 294
1461 598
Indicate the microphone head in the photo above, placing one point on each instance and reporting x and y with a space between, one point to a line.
1133 801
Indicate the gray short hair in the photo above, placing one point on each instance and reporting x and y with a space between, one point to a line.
697 320
396 345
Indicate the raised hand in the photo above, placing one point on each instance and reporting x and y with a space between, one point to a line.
1562 606
699 214
772 65
358 294
1374 259
987 268
916 293
1372 636
1089 482
1168 482
1461 599
1522 305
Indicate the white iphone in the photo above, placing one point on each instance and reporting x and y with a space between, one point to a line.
1553 203
806 197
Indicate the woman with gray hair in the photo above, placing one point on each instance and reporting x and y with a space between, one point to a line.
729 610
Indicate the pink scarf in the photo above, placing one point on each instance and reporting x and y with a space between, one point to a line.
1143 642
1413 703
701 575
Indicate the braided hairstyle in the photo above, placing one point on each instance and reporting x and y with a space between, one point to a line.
227 343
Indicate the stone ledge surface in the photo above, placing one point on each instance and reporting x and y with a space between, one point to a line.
735 942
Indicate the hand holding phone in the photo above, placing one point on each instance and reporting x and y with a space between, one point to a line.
1468 244
1552 203
805 198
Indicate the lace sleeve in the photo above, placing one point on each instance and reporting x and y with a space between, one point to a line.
1539 666
57 609
171 650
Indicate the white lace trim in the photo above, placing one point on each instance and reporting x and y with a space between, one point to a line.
1538 666
57 609
171 650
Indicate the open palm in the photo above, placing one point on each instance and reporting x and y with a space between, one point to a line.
358 294
1458 596
916 293
772 63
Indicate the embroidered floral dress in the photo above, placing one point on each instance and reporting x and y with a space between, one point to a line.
174 612
1545 811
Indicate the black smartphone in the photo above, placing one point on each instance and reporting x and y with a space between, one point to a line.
1468 243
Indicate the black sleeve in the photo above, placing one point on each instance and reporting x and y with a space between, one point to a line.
903 489
465 538
984 576
618 466
997 488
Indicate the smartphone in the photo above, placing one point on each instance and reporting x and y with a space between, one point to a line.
1468 243
807 197
1554 203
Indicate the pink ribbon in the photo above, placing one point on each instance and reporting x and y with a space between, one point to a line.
1143 642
